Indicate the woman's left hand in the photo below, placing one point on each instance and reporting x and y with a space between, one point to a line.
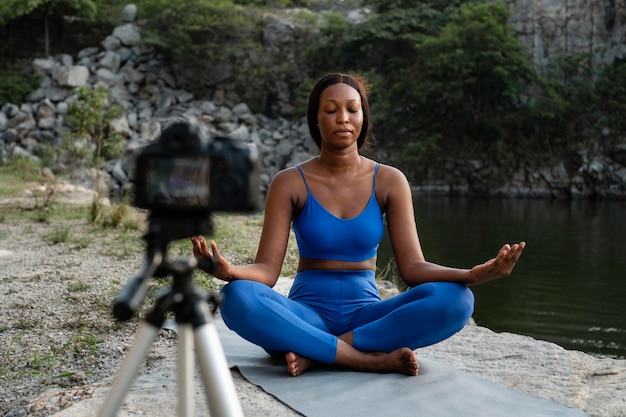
200 248
498 267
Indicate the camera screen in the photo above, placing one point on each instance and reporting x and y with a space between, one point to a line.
177 183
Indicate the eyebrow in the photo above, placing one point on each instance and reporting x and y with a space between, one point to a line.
334 101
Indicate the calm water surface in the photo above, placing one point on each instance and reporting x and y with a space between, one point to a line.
569 287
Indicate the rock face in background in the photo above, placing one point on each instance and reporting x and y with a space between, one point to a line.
585 175
553 27
150 94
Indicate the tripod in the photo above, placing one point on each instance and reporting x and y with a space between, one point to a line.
194 323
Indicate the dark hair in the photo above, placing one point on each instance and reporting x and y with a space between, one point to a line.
356 82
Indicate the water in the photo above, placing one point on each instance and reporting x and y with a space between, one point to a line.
569 287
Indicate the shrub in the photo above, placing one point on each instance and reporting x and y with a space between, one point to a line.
15 87
90 116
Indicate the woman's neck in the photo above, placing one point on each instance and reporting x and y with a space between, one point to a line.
339 161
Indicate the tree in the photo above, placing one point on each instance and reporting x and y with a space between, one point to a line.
466 84
13 9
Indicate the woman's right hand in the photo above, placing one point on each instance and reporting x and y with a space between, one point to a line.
220 266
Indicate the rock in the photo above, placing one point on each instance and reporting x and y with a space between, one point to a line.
4 123
130 13
72 76
44 66
128 34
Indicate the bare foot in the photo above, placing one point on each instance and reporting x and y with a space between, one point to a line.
297 364
403 360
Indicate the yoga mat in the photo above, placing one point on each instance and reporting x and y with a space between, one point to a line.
438 391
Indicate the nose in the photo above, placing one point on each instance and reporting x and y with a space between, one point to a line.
342 116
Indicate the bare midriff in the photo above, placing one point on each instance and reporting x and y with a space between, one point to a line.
307 264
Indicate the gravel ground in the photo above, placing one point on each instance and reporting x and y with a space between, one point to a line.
56 328
58 278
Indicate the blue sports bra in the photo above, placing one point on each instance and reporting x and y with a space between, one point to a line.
322 235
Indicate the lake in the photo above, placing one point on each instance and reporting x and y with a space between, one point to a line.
568 287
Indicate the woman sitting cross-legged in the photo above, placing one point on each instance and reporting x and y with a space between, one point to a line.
338 204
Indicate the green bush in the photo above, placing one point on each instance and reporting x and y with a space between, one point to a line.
15 87
90 116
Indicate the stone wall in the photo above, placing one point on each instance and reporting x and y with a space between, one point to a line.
147 89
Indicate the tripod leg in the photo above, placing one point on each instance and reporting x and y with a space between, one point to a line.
135 358
185 369
218 381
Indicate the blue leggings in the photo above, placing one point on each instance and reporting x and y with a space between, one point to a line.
325 304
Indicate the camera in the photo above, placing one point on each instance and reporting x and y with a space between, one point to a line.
184 176
184 171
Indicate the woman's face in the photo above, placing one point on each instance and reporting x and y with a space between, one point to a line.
340 116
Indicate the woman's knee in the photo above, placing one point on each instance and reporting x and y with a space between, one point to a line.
239 298
459 302
455 302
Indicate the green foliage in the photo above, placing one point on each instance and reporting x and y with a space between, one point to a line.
264 3
90 116
57 235
465 84
422 145
384 42
35 27
118 216
198 35
388 40
11 9
611 92
582 101
328 56
20 169
15 87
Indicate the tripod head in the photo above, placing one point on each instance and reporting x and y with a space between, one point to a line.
163 229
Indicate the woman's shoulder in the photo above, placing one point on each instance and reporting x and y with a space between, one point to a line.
288 180
392 184
288 185
389 172
286 175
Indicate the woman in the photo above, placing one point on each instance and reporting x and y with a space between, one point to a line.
336 204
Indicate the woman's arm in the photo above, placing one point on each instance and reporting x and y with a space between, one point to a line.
412 266
279 208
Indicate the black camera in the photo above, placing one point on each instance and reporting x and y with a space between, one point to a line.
184 176
184 171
